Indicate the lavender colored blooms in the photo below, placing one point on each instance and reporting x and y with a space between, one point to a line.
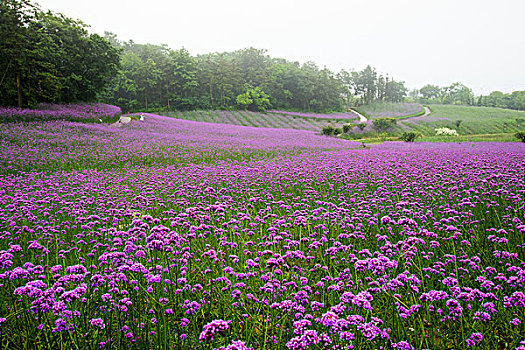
47 112
236 345
474 339
98 322
131 236
213 328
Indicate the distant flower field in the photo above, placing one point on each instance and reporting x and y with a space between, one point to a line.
189 235
390 110
47 112
272 119
474 120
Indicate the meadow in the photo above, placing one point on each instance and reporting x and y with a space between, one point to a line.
178 234
272 119
474 120
390 110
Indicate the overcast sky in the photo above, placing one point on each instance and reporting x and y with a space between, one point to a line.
480 43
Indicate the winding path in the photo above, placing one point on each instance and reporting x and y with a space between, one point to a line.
412 119
362 118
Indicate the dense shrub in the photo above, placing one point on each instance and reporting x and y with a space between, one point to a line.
383 124
346 128
328 130
338 131
361 126
520 136
409 136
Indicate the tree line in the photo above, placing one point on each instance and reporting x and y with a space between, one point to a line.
47 57
458 93
157 77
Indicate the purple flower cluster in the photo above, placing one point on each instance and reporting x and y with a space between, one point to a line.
213 328
47 112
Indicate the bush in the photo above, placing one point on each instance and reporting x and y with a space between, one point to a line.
520 136
458 123
409 136
383 124
328 130
446 132
338 131
361 126
346 128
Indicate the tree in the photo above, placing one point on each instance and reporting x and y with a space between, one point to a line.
365 84
430 94
244 100
383 124
47 57
395 91
345 78
254 99
458 93
15 18
517 100
496 99
183 83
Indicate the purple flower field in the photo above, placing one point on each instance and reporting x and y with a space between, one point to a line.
332 116
46 112
390 110
187 235
272 119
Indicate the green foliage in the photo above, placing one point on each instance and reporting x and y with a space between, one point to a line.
179 81
338 131
347 128
520 136
409 136
254 99
244 100
456 93
514 100
47 57
458 123
328 130
369 86
361 126
383 124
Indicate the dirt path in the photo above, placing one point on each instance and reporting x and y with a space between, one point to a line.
412 119
362 118
122 120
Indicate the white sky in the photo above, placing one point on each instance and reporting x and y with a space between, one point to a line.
480 43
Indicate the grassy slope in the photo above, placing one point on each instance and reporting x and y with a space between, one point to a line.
478 123
263 120
475 120
390 110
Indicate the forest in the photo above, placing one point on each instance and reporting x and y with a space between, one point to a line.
48 57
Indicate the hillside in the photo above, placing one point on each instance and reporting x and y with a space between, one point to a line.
273 119
472 120
390 110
